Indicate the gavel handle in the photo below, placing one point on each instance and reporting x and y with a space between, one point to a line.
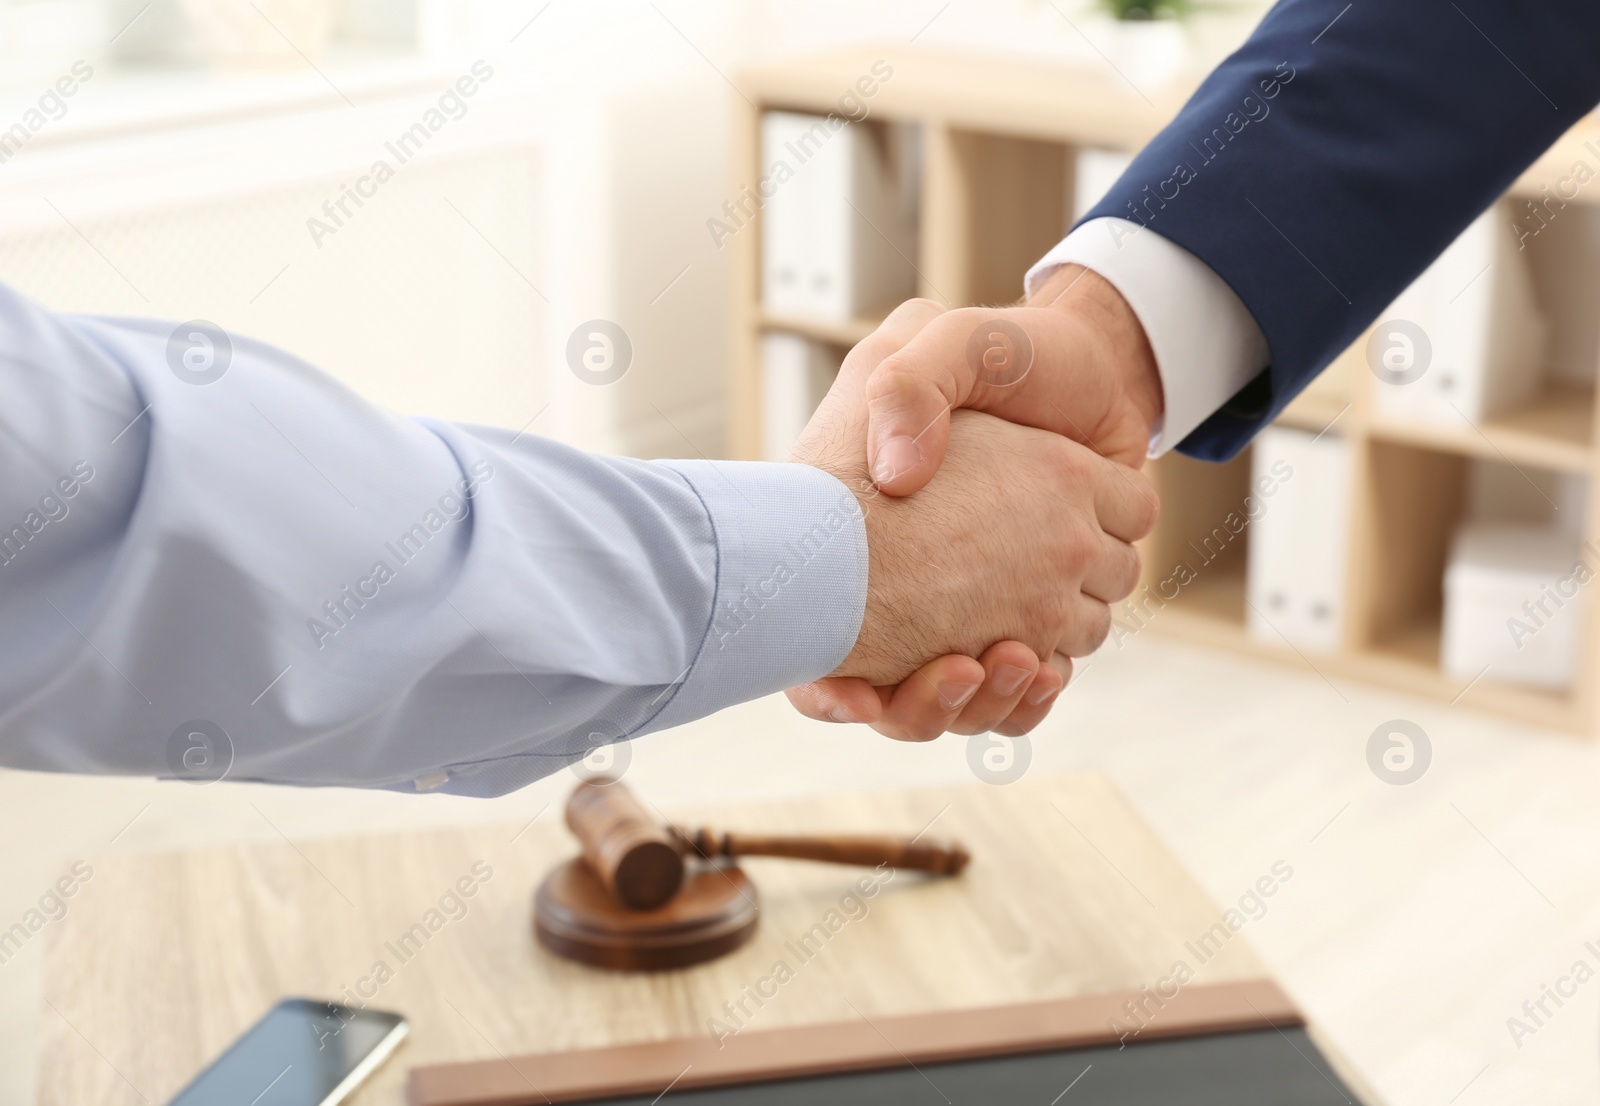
939 857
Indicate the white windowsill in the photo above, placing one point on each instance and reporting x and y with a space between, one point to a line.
120 101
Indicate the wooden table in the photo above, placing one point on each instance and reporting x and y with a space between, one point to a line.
1069 893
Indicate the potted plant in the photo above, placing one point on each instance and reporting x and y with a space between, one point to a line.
1140 11
1146 40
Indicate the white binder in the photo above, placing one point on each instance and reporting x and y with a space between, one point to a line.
785 218
839 237
1296 570
1514 597
1485 333
795 374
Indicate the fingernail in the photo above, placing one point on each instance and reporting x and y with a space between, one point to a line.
953 695
1037 695
895 456
839 714
1007 678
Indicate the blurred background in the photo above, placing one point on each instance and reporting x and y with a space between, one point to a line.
576 186
586 162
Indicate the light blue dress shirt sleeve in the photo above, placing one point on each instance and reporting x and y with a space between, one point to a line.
257 572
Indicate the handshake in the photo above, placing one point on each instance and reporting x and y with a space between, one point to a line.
995 454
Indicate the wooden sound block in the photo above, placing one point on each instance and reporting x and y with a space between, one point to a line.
714 912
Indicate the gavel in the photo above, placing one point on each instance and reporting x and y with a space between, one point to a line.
640 861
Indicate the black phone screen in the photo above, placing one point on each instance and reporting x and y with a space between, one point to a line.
301 1053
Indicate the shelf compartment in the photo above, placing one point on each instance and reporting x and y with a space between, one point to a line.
1416 497
1192 562
1408 659
1554 431
1411 504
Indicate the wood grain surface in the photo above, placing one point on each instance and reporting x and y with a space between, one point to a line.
1068 893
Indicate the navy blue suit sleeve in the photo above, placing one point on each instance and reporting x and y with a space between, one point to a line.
1323 166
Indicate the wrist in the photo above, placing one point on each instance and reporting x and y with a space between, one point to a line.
867 656
849 468
1086 296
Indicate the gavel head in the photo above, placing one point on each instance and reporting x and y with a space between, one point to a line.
637 859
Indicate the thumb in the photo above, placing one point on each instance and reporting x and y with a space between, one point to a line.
964 356
908 427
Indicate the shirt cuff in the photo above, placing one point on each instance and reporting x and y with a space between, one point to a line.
1207 345
791 582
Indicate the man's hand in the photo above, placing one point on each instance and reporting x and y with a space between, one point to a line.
1006 690
1015 538
1074 361
1019 543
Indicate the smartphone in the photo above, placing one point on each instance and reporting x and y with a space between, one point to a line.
301 1053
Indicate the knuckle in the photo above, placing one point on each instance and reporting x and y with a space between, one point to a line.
963 319
871 352
1096 626
886 345
1132 569
906 382
896 378
918 307
1066 458
1149 505
956 330
1077 548
1057 611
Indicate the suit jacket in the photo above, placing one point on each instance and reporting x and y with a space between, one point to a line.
1323 166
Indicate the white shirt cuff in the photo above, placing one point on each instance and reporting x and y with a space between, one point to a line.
1206 343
